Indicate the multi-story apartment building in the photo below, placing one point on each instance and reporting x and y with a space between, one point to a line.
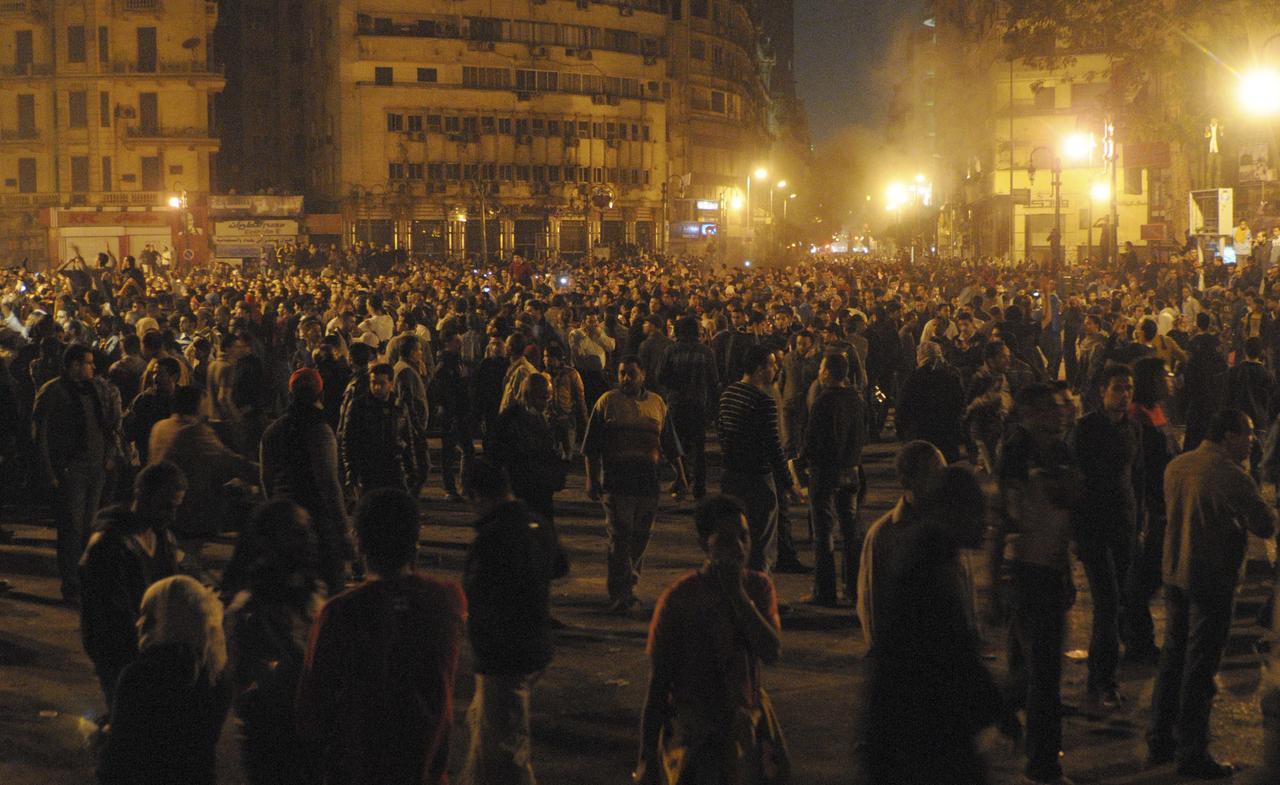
453 126
105 119
719 119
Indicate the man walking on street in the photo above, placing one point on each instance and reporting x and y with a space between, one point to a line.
72 440
690 382
832 450
1106 445
752 448
507 578
1212 505
627 435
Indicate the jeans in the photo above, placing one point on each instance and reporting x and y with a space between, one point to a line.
452 443
1106 561
757 494
500 752
690 425
77 498
629 522
1036 632
1196 630
1140 585
833 503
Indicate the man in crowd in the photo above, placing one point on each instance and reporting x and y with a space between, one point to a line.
375 696
690 382
1106 446
373 437
1212 505
832 451
131 549
754 464
151 406
628 433
72 440
510 565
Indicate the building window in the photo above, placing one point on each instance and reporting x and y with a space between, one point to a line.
151 178
522 126
382 75
24 52
395 171
435 172
538 127
504 125
698 49
494 78
1133 181
1046 98
717 102
522 173
452 125
106 173
26 175
539 174
570 174
470 172
537 81
488 125
426 74
395 122
645 133
75 44
415 171
698 8
597 175
26 115
415 122
597 130
553 128
80 173
104 45
104 109
471 126
146 49
434 125
506 172
77 109
453 172
553 174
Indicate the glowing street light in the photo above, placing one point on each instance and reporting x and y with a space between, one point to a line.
1100 192
782 184
1078 146
761 173
175 202
735 203
920 179
1260 91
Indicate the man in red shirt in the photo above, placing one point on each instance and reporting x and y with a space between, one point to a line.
376 691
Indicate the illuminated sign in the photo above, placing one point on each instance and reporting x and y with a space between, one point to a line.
709 230
708 204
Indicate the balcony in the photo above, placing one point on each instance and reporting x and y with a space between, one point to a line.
140 6
20 136
155 132
113 199
30 201
32 9
28 70
167 68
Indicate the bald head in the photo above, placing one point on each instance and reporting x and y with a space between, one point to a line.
916 465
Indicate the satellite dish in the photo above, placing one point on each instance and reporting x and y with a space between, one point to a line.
191 43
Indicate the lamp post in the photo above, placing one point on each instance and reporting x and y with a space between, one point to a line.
760 174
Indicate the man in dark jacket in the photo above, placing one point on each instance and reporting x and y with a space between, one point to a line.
72 437
151 406
1249 386
832 449
931 403
449 393
690 385
131 549
1106 444
299 461
523 444
507 578
373 437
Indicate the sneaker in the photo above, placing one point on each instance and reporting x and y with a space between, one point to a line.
1205 769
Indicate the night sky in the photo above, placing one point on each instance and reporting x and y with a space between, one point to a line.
842 49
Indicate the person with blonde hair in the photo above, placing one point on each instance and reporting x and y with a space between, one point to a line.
171 702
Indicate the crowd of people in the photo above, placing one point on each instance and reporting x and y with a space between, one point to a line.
153 408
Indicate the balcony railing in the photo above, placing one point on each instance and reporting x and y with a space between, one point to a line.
35 8
26 69
162 132
30 200
19 135
167 67
146 6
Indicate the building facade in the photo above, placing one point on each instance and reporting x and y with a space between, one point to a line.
464 126
106 118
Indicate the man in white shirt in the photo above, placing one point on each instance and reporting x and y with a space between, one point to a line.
589 345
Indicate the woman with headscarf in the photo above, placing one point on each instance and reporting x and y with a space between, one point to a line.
171 702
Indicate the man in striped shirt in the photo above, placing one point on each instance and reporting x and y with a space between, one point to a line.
752 452
626 437
690 382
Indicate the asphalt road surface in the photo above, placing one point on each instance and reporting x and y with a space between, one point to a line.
586 706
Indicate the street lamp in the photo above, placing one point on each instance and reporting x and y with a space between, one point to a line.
1260 91
1098 192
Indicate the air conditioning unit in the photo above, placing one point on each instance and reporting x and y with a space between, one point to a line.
461 138
126 112
583 4
438 187
600 99
524 95
572 141
625 9
611 142
419 136
449 31
584 54
570 52
524 139
480 46
538 51
615 100
650 59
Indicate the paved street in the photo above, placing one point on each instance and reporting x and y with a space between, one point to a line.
586 708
